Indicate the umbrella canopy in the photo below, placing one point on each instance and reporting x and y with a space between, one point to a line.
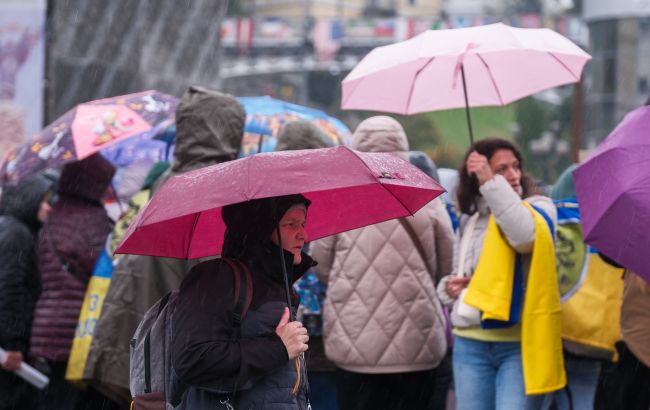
89 128
265 117
469 67
613 188
348 190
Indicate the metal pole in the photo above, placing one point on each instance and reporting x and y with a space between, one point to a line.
469 118
303 96
576 132
48 93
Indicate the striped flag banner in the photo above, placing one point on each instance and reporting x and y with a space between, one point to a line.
327 39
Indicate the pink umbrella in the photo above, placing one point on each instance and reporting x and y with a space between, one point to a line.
468 67
88 128
348 190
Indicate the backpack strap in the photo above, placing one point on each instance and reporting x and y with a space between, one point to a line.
243 292
147 346
416 242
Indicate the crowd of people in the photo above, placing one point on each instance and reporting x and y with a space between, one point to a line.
459 306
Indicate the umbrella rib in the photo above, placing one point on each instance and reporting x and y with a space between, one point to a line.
398 200
494 83
382 185
564 65
189 244
415 77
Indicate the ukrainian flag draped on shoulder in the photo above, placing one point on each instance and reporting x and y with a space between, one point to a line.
491 291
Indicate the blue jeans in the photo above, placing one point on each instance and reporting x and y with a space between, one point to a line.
582 377
322 390
489 376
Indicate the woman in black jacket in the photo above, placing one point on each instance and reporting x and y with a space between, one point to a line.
260 364
23 207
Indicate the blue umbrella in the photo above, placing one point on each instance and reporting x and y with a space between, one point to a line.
266 116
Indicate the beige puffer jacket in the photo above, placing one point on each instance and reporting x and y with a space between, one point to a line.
382 314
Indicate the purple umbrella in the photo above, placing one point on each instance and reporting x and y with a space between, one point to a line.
613 188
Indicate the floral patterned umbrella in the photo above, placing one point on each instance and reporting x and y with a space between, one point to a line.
86 129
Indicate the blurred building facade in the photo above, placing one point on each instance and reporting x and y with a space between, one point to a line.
620 70
342 9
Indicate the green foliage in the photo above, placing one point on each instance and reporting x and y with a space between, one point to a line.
536 117
447 155
421 131
486 122
532 116
454 133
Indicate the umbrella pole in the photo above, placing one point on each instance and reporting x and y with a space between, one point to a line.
292 317
469 118
259 147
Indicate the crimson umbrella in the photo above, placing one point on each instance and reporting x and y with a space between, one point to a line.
348 190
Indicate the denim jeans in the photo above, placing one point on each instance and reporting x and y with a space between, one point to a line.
582 378
489 376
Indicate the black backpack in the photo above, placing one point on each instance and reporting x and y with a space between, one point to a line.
153 383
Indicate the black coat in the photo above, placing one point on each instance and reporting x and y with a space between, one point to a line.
204 354
19 278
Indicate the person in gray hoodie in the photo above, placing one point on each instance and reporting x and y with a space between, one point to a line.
209 130
301 134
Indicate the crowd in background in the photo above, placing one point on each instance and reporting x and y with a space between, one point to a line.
395 324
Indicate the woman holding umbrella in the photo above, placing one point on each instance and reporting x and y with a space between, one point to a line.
263 365
503 224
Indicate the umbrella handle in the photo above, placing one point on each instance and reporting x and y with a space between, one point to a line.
469 118
292 316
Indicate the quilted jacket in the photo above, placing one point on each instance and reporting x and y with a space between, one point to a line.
382 314
74 235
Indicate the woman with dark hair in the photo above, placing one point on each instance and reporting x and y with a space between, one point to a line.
259 365
493 187
468 186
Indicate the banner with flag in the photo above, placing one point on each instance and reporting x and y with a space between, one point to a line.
89 315
327 39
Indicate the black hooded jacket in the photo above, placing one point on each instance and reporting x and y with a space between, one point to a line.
19 278
204 354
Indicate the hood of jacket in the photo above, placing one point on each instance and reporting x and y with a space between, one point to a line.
86 179
381 134
564 187
209 129
425 164
23 200
301 134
